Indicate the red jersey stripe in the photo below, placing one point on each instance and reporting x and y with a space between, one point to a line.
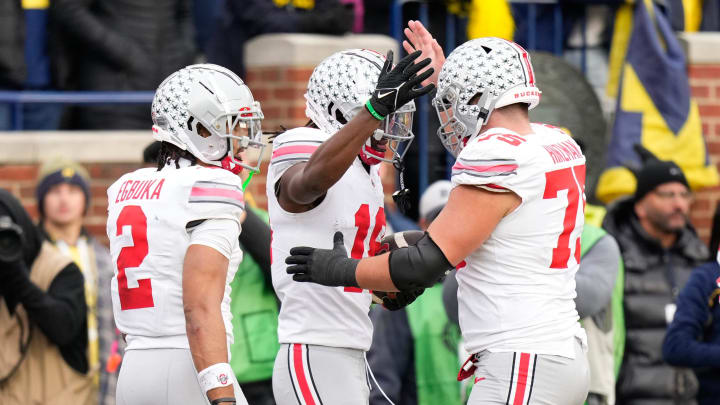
300 374
289 150
492 168
522 379
216 192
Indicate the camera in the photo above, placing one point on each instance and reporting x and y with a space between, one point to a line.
11 240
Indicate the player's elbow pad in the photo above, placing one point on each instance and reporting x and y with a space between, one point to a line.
418 266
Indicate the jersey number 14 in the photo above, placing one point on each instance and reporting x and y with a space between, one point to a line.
362 222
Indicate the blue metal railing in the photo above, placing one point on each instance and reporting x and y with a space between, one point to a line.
17 99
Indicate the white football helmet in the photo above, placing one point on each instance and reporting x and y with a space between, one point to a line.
496 71
218 99
338 89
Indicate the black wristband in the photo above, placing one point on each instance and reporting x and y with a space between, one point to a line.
218 401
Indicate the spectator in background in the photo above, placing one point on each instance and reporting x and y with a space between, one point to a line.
693 338
120 45
599 304
242 20
43 318
414 352
255 310
63 196
659 248
25 62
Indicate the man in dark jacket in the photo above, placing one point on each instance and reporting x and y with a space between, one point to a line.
242 20
121 45
660 248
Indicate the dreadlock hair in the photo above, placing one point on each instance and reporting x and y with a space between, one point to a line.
169 152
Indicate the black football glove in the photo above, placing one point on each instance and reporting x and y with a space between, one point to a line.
330 267
398 300
399 85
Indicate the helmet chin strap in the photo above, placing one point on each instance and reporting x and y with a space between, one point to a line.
401 197
369 155
227 162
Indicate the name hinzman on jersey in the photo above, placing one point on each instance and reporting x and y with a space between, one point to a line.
139 190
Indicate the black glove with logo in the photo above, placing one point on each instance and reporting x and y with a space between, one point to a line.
330 267
399 85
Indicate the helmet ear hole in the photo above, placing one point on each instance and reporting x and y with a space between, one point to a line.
202 131
189 123
340 117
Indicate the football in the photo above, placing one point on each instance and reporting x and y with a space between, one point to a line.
392 242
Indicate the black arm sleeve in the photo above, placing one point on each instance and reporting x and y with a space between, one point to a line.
255 240
60 312
418 266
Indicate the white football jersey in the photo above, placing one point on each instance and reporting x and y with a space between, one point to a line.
148 211
516 290
311 313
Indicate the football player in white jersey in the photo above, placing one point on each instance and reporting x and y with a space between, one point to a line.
512 225
323 178
173 234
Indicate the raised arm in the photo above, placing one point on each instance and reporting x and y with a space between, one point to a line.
305 183
419 38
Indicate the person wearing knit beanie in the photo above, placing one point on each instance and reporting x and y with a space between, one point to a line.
662 200
63 197
62 171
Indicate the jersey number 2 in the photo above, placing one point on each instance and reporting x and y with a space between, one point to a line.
571 179
362 222
133 218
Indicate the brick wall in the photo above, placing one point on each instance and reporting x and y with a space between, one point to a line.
705 86
21 179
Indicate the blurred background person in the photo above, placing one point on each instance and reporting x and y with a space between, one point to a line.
43 317
414 351
63 197
693 337
254 306
660 248
119 45
25 62
242 20
599 305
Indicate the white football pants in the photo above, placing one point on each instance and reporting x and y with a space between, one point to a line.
315 375
160 377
